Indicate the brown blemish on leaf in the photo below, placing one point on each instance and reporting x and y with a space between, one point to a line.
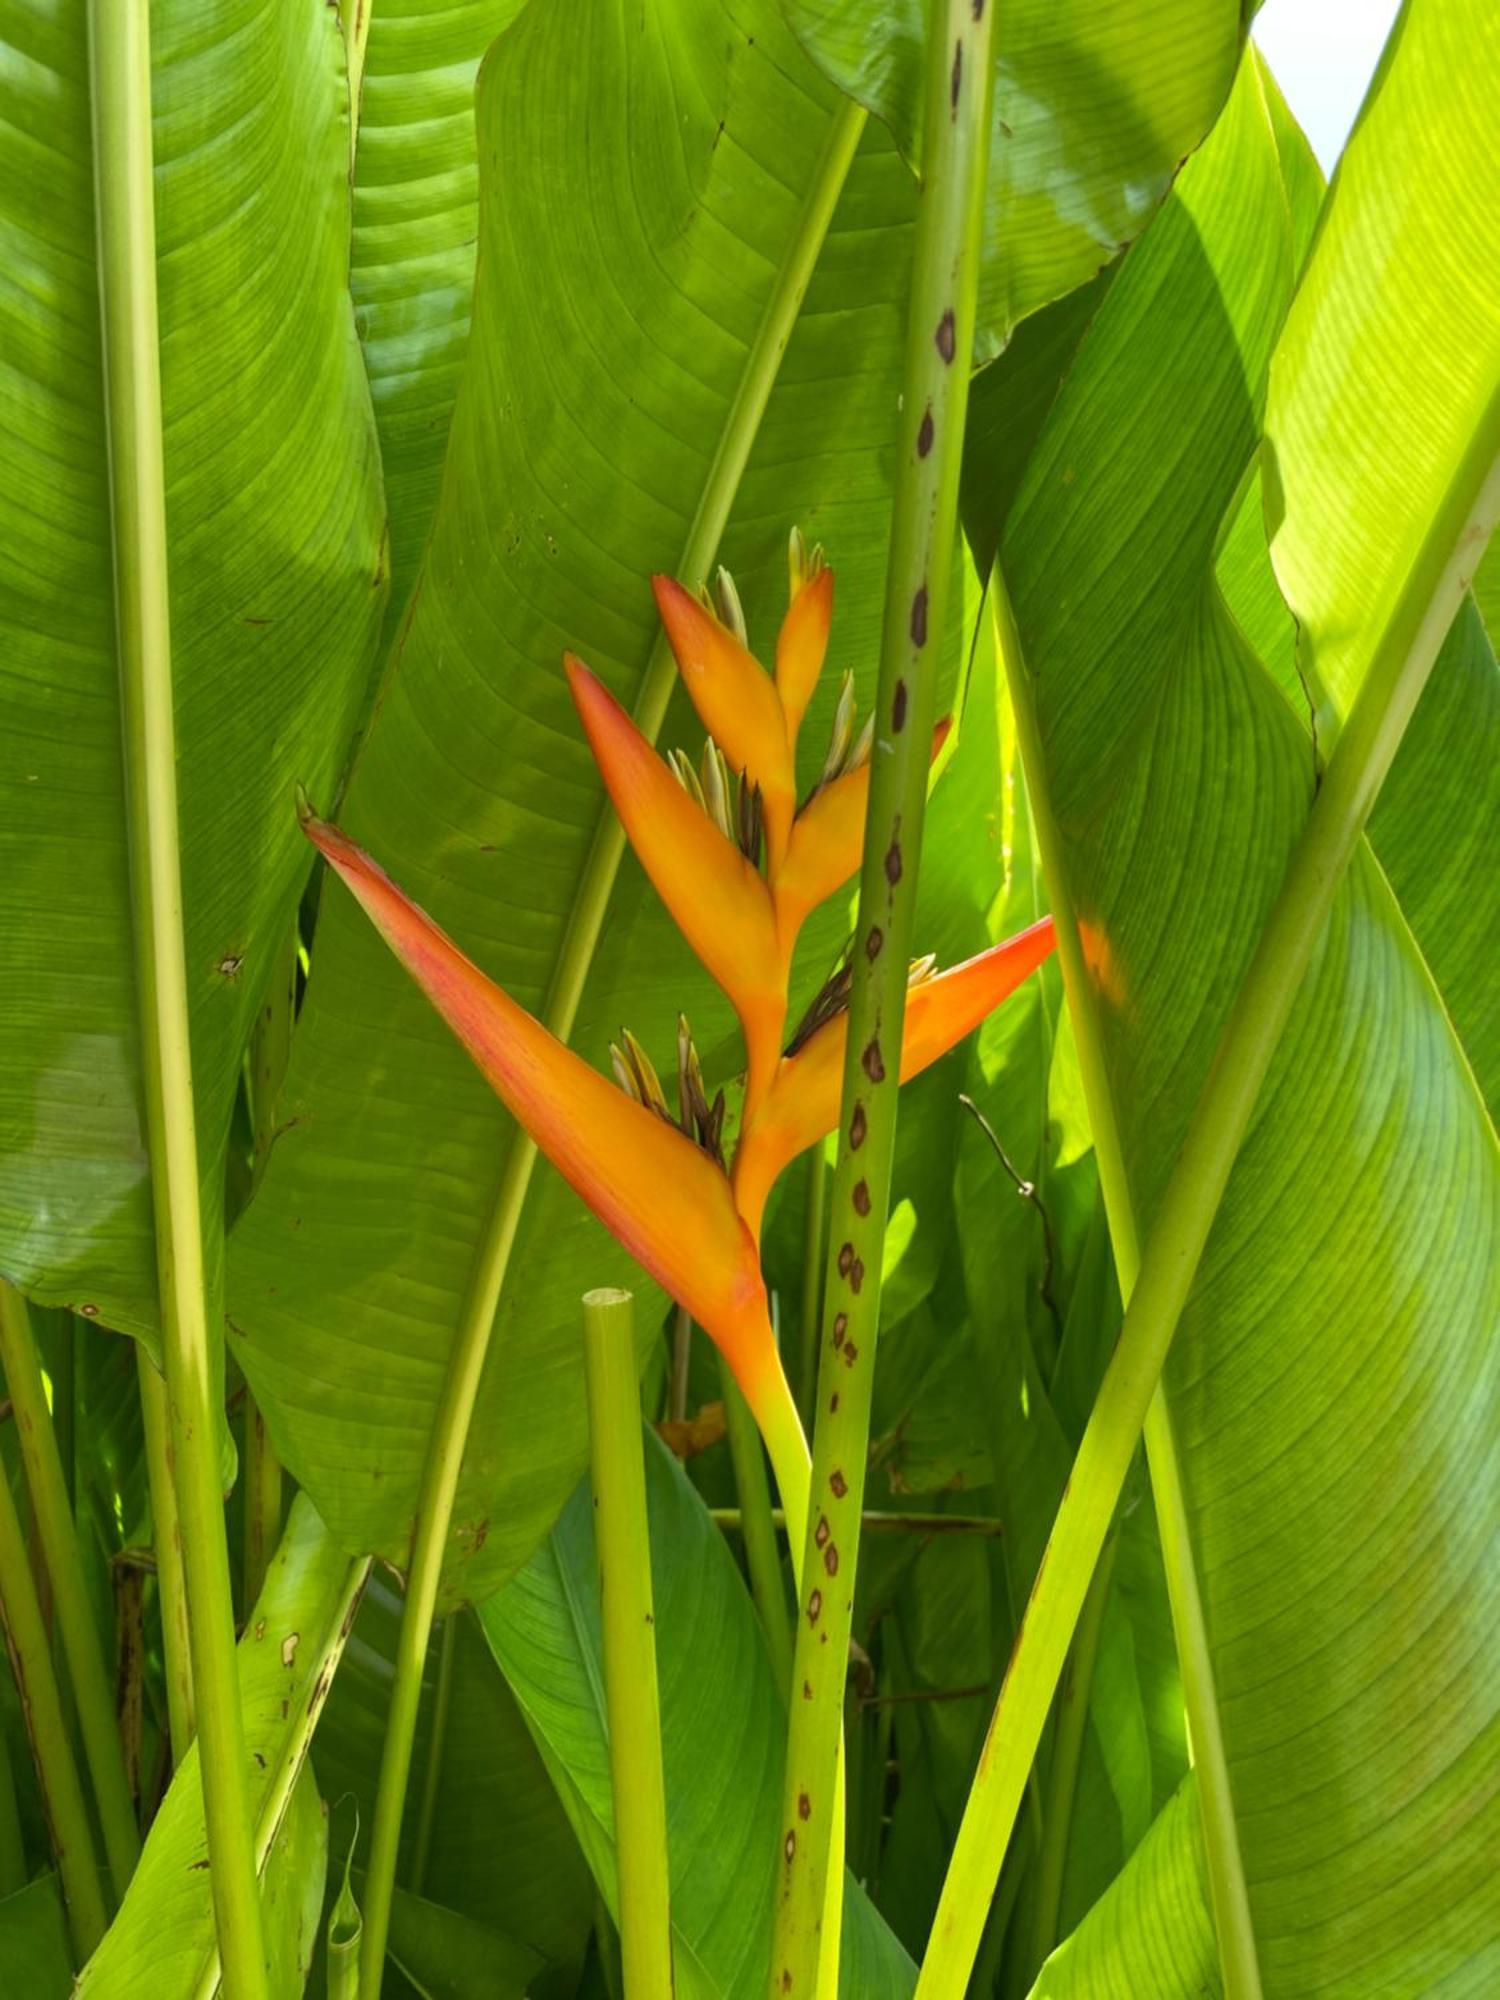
289 1647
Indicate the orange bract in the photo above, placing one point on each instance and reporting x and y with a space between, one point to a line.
802 1105
667 1202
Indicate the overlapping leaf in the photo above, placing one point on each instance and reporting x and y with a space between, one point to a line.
643 181
1096 106
277 577
1335 1379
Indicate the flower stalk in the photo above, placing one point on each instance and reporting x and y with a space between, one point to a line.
120 60
622 1543
934 405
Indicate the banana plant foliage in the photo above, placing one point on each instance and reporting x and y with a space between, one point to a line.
1339 1346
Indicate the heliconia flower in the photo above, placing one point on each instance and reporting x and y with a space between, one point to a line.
827 842
802 1104
737 702
719 900
802 646
648 1183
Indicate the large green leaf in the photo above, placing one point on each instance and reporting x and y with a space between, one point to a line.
1335 1381
416 219
162 1943
723 1734
642 181
500 1853
1096 106
274 521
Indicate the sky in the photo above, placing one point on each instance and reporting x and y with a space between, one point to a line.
1324 53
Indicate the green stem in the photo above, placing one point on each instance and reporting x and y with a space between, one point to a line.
622 1542
1233 1923
166 1538
939 343
57 1773
75 1619
757 1524
262 1501
875 1523
1068 1731
432 1777
682 1362
814 1224
455 1410
120 55
1398 672
303 1724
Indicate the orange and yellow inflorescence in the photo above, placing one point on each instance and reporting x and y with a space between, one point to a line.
740 867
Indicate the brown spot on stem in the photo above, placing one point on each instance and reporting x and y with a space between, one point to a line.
924 434
791 1845
856 1275
822 1532
861 1197
815 1607
833 1404
919 617
872 1061
804 1806
946 336
838 1484
898 708
857 1129
873 943
956 81
831 1559
851 1355
846 1259
840 1328
893 863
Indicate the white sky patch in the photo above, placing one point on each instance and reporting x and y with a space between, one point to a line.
1324 53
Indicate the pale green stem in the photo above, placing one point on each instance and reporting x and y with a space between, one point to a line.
757 1525
70 1600
934 405
57 1773
432 1777
166 1540
120 55
1069 1729
269 1053
471 1342
1234 1925
1398 671
814 1222
622 1542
